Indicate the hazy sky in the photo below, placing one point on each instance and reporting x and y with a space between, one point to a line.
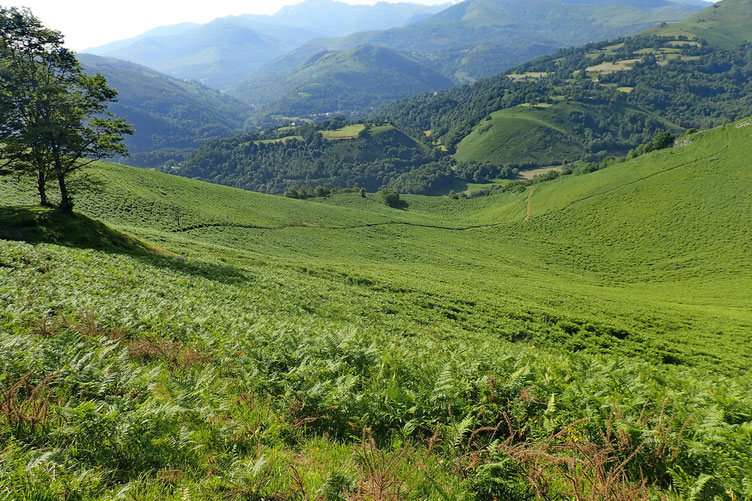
88 23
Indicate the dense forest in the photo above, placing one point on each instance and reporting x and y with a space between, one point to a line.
369 157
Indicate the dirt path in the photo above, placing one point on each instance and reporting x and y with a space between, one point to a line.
529 204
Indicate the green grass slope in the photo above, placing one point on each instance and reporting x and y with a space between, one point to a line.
595 316
542 134
726 24
539 135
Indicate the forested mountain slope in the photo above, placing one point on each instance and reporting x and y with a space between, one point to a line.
341 83
298 348
170 116
328 154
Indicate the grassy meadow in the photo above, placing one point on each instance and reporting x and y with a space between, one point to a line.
583 338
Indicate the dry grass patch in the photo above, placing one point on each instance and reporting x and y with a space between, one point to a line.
25 403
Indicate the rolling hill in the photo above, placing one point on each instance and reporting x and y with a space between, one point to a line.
171 117
292 348
532 134
536 135
345 83
226 51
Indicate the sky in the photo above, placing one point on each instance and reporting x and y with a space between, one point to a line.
89 23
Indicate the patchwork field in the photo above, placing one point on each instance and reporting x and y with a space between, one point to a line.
214 343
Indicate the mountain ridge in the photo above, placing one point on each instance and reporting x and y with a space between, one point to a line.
225 51
478 38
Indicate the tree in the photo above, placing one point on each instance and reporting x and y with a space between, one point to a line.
54 116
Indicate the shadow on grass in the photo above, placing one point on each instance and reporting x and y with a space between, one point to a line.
38 225
399 204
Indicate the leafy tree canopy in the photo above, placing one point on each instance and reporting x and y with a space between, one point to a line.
54 115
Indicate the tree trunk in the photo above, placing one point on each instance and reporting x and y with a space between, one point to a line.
66 204
42 188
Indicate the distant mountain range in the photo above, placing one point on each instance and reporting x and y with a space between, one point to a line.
472 39
478 38
348 75
226 51
464 42
334 19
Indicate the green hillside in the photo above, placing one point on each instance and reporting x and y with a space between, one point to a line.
341 348
538 135
171 117
726 24
342 83
543 134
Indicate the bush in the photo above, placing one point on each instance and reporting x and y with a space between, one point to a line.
390 197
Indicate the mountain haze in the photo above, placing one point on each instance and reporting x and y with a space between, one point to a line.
218 54
226 51
332 19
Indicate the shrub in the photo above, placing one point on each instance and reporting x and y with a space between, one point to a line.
390 197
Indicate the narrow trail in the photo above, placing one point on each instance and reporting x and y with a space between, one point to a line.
529 204
354 227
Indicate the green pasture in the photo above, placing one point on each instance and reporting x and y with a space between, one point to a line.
193 341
